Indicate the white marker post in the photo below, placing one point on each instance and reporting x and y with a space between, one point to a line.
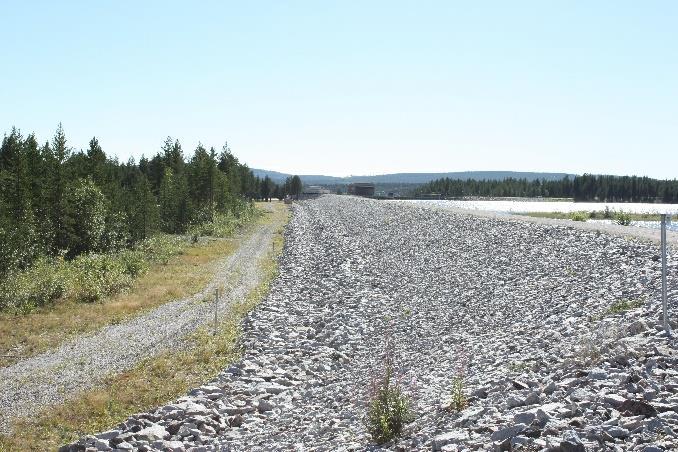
667 328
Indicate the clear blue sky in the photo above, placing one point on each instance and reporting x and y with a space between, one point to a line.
354 87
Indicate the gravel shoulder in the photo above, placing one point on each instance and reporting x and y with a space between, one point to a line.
52 377
555 331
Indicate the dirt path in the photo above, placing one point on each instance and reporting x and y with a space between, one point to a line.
82 363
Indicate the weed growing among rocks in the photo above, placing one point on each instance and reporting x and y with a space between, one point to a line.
388 410
624 305
388 406
458 401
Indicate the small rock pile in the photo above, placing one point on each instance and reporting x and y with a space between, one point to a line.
555 333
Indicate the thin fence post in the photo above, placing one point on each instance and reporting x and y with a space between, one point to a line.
664 301
216 307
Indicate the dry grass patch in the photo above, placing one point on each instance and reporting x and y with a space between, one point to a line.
153 382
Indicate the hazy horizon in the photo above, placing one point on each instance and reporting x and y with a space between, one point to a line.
338 89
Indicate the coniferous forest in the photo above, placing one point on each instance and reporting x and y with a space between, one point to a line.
57 202
580 188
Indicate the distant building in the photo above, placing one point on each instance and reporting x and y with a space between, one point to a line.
361 189
313 191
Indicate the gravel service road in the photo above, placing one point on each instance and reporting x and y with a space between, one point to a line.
52 377
555 332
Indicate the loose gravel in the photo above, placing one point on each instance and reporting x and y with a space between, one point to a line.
52 377
555 331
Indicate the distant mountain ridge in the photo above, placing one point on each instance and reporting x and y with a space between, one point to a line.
410 178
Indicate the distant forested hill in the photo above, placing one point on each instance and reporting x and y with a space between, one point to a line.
587 187
412 178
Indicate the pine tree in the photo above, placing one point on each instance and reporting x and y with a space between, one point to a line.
56 157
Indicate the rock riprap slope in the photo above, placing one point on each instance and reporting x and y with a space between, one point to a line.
555 331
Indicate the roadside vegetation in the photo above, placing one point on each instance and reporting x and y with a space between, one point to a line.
24 334
620 217
79 225
82 233
153 381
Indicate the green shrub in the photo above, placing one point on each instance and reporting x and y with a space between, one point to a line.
579 216
134 262
622 218
46 281
388 409
224 224
99 275
161 247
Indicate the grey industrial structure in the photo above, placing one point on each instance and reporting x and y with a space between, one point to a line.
361 189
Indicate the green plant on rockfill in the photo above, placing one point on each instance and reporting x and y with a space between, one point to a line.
622 218
608 214
388 409
579 216
624 305
458 400
518 366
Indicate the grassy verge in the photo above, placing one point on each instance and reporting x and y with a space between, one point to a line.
152 382
178 269
592 215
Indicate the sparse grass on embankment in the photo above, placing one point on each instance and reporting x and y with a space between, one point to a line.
591 215
153 381
94 291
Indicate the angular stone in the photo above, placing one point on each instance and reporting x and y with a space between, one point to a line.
653 448
614 399
637 407
525 417
549 388
453 437
513 402
507 432
617 432
517 384
469 416
101 444
264 405
532 398
108 435
571 442
597 374
152 433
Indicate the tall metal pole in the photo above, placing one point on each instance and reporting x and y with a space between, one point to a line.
663 245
